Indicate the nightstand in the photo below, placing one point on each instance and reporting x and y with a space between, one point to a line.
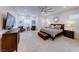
10 40
69 34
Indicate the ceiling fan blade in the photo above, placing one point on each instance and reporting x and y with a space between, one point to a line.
41 9
45 7
49 9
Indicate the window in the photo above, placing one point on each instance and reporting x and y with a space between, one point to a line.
74 16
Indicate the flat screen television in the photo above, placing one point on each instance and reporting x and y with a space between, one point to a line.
10 21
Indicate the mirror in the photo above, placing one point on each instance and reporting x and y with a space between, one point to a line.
56 19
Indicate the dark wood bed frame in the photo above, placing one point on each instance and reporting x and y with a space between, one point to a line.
62 27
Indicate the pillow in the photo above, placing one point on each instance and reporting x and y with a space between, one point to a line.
52 26
57 27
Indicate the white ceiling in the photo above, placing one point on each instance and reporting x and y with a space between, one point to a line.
36 10
26 10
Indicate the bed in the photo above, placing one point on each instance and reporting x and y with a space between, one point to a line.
53 30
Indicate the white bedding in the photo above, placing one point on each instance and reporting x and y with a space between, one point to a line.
52 32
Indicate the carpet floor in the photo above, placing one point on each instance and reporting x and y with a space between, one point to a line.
31 42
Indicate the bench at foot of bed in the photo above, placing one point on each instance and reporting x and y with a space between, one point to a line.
43 35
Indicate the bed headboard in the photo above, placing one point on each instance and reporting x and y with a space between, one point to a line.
62 25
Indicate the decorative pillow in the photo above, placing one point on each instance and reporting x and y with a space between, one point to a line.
57 27
52 26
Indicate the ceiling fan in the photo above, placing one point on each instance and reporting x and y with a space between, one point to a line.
44 10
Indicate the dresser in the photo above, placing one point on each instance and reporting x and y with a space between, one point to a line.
69 34
9 41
